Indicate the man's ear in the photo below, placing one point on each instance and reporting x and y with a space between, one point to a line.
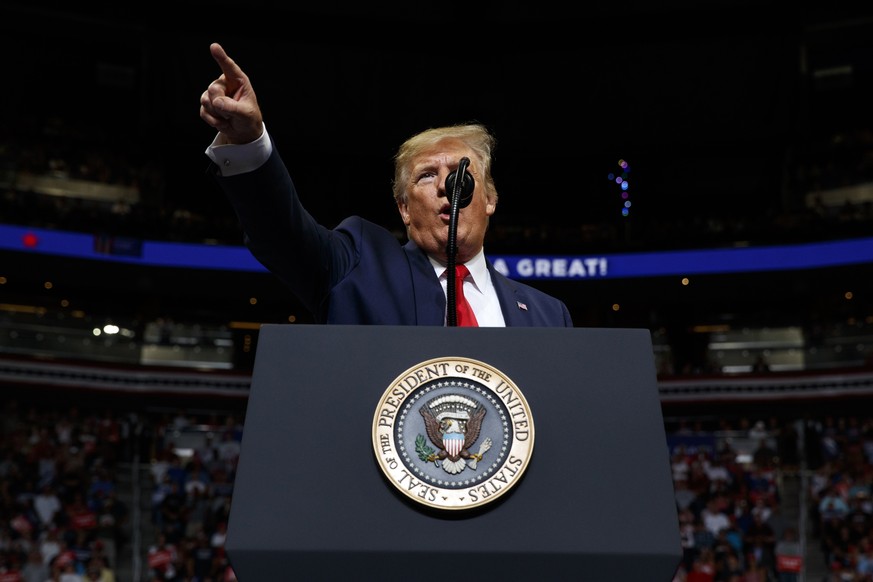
491 206
403 208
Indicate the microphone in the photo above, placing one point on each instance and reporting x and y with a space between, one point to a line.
460 194
464 189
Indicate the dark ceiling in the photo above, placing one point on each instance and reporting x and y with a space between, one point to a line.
706 103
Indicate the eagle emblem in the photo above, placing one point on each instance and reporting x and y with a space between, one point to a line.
453 423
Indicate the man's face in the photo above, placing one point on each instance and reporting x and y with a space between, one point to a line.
426 209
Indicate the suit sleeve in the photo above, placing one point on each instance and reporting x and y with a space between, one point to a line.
283 236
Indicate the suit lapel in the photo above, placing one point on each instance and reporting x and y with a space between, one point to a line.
430 301
513 301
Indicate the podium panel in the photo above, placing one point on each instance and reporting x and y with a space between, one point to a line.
311 501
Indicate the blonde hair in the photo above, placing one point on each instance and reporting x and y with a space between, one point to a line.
475 135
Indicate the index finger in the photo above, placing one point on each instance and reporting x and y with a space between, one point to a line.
231 70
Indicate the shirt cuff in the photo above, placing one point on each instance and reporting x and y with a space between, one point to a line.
233 159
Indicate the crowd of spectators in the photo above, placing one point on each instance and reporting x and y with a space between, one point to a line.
729 504
61 518
190 499
840 503
63 510
736 525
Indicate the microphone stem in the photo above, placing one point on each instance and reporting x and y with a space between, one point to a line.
452 247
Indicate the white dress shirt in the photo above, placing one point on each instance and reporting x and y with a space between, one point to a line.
478 290
233 159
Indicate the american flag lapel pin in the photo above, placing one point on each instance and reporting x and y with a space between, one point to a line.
521 306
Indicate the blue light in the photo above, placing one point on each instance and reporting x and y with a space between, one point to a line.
691 262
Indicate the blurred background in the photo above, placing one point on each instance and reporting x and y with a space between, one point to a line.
724 152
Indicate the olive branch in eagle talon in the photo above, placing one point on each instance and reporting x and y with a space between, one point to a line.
453 438
424 452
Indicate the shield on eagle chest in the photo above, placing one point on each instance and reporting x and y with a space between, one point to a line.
454 443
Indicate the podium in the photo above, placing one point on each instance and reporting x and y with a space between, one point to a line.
312 502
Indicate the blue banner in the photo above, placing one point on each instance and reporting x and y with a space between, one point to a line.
544 267
690 262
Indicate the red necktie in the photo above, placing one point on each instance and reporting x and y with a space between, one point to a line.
466 317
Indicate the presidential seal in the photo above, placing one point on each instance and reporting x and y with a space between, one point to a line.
453 433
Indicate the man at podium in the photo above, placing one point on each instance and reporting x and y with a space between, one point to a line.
358 273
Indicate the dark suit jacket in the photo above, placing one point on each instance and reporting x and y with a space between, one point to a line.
357 273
